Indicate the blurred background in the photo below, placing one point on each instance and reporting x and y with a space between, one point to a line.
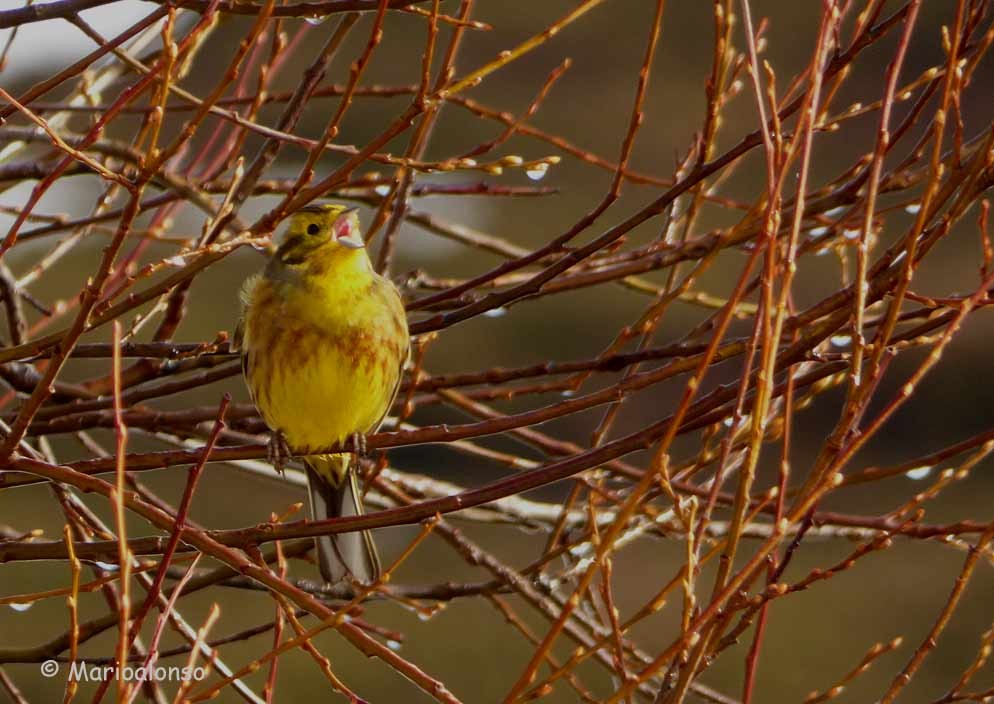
814 636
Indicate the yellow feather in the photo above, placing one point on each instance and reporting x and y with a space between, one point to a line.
325 343
324 338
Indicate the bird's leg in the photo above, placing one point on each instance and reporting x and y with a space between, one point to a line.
359 445
278 452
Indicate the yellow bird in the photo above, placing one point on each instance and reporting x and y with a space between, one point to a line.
324 341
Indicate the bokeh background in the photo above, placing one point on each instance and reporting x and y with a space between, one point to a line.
814 636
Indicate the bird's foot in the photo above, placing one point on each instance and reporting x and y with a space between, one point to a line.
359 444
278 452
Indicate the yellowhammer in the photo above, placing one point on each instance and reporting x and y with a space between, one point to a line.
324 341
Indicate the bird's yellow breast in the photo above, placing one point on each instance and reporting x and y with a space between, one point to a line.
323 352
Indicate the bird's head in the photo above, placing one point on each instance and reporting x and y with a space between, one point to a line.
328 229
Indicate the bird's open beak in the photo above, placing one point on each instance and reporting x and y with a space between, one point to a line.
352 241
348 224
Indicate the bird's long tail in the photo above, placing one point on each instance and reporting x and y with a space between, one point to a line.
334 492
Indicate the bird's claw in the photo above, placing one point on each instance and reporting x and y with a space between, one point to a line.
278 451
359 444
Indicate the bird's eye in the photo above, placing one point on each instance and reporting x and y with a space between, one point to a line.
313 229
